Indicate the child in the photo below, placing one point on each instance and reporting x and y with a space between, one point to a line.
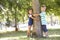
30 22
43 20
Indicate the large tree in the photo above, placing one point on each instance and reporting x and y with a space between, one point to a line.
37 23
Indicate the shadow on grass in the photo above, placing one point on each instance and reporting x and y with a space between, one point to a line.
22 35
52 38
13 34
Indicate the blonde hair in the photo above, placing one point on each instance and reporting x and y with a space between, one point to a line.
43 6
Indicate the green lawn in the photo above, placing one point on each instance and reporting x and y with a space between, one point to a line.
22 35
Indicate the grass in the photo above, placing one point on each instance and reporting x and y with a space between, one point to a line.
22 35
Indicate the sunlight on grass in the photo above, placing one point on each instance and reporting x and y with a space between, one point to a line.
51 37
54 35
21 35
10 38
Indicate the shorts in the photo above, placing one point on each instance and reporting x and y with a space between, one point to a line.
44 28
30 23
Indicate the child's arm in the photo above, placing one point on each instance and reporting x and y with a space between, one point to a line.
36 14
31 17
34 18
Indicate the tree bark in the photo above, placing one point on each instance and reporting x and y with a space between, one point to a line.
16 29
37 24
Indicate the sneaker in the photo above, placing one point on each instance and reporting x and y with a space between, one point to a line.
46 36
28 35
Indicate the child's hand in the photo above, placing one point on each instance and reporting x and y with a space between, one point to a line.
30 15
35 14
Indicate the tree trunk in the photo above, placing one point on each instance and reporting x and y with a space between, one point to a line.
37 24
16 29
51 20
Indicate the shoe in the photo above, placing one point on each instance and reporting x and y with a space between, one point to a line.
46 36
28 36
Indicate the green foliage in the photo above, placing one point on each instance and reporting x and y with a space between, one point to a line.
20 6
52 6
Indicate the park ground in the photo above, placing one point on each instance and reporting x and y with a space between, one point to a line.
54 34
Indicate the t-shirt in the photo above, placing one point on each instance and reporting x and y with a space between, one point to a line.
43 18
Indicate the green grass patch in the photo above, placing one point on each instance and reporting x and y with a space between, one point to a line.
23 33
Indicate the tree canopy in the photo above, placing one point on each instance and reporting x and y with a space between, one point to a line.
53 6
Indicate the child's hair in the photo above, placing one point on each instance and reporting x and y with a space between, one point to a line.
29 9
43 6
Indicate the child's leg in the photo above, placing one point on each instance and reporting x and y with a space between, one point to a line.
29 28
46 34
45 30
29 31
33 30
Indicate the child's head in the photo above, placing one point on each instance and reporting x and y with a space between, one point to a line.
30 11
43 8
